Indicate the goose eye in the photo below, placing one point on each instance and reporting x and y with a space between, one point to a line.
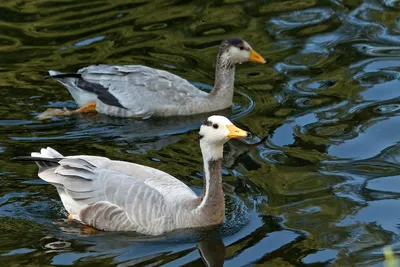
215 126
241 47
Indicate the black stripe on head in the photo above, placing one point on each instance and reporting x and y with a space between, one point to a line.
207 123
233 41
225 44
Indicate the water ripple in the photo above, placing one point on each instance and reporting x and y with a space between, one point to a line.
378 50
298 19
314 185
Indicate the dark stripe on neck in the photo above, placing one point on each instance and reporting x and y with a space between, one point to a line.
214 167
214 170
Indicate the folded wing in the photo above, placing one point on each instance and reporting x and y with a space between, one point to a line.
140 89
107 199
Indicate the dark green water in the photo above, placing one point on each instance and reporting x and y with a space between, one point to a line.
323 187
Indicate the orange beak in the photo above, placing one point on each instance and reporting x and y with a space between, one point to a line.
235 132
255 57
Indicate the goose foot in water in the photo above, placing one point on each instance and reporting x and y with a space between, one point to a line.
54 112
86 229
89 107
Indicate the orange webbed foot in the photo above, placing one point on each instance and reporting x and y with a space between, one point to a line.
88 229
89 107
53 112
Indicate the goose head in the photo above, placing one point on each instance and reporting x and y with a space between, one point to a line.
214 133
236 50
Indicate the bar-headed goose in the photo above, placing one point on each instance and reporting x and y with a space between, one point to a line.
139 91
121 196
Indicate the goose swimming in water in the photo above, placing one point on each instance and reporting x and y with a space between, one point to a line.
121 196
139 91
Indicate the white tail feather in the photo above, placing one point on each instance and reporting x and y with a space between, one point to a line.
53 72
47 153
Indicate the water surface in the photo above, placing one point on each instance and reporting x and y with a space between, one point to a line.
321 187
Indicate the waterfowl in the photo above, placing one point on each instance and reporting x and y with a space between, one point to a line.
122 196
140 91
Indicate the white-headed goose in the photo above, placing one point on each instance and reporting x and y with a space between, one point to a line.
121 196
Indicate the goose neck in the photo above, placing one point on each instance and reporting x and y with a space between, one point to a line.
212 203
224 77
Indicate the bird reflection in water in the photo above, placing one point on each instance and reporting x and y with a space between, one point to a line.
123 246
237 150
212 252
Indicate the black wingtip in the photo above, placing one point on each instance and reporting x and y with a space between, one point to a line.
21 158
64 75
29 158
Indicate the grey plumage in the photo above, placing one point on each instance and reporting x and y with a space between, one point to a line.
135 91
121 196
107 216
96 189
137 198
139 91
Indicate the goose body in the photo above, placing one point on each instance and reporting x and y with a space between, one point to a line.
121 196
140 91
136 91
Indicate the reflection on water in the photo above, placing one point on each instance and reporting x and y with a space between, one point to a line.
315 185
